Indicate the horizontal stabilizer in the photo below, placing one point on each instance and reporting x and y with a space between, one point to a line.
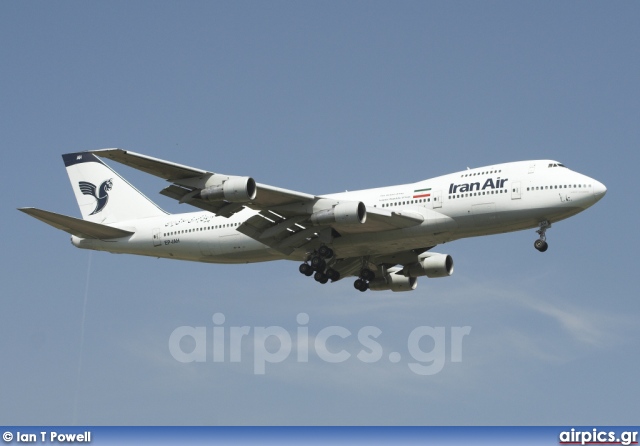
76 226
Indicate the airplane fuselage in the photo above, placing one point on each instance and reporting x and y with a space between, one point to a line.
475 202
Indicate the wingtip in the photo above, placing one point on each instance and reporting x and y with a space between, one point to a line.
30 211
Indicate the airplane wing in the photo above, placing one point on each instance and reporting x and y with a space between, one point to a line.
286 219
189 181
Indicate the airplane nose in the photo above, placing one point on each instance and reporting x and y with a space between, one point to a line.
599 189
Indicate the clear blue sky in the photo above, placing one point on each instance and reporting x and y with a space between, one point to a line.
321 97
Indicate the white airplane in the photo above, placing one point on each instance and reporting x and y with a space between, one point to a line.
382 236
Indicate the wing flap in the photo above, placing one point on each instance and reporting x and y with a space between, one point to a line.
75 226
256 226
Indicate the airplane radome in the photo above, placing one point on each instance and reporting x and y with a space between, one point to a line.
383 237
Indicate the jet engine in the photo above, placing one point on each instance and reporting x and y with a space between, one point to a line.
436 265
394 282
350 213
234 190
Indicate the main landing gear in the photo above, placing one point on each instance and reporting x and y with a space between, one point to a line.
316 266
362 283
541 244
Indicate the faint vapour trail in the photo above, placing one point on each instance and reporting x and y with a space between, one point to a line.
84 312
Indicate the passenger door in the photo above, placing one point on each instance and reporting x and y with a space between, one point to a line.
157 237
437 199
515 190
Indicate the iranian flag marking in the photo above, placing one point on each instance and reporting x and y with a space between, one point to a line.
421 193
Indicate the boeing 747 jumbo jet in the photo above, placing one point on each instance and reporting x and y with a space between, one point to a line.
381 236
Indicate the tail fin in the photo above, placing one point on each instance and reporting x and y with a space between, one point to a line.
103 195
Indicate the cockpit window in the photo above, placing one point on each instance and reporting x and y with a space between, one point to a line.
557 165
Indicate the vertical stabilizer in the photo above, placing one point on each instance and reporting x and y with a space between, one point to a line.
103 195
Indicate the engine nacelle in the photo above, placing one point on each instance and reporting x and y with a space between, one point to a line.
437 265
394 282
343 213
234 190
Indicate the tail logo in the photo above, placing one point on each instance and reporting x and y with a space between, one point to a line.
101 195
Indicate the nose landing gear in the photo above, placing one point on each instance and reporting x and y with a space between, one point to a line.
541 244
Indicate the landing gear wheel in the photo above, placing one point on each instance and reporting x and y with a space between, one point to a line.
325 252
306 269
309 272
367 274
333 274
541 245
318 263
361 285
321 277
